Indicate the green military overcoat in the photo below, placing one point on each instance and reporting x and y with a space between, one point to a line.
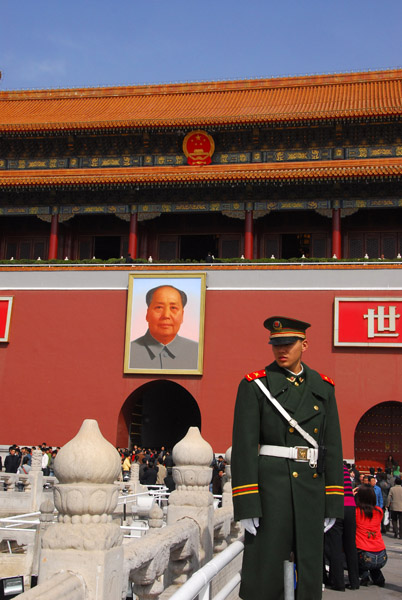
290 498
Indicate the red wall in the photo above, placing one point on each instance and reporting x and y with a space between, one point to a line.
64 362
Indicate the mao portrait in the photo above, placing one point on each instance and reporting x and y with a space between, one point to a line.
165 323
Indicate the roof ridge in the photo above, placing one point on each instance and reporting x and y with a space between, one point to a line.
206 86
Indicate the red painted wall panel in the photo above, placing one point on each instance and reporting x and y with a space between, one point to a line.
64 362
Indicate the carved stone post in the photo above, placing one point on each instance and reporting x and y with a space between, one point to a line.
46 518
86 541
227 498
10 480
135 474
227 485
36 463
134 484
192 474
35 476
155 517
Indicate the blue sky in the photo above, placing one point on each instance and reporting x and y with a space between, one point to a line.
45 44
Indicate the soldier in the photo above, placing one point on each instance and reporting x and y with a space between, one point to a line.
287 470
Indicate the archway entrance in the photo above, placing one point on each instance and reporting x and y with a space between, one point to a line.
379 434
158 414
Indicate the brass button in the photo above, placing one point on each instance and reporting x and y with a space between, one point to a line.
315 429
316 407
291 429
295 474
315 476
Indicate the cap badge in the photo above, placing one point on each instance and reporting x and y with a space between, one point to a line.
277 325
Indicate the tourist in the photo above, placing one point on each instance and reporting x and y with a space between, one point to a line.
394 501
369 543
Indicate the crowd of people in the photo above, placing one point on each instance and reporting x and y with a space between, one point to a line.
155 467
372 502
19 459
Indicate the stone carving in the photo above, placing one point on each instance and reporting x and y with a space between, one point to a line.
36 463
192 472
70 466
86 537
91 537
155 517
87 544
227 482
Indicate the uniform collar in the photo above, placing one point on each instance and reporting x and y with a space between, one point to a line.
295 374
276 376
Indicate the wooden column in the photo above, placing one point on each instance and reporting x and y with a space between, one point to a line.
133 236
53 241
248 235
336 233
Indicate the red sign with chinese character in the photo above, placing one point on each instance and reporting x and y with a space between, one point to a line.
368 322
6 303
198 146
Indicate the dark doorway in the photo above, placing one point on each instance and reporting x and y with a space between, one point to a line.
379 434
294 245
159 414
107 246
196 247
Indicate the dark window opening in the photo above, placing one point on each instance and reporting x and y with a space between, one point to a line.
319 247
168 250
295 245
271 246
230 248
11 250
31 249
106 247
196 247
85 249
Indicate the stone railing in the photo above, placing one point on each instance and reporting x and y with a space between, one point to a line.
63 586
14 482
86 545
20 493
164 556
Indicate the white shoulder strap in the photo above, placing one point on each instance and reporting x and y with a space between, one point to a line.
286 415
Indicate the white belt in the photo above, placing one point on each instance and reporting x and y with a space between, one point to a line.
297 453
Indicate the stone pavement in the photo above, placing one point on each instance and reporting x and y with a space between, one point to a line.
392 573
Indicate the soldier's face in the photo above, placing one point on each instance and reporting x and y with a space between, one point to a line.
289 356
165 314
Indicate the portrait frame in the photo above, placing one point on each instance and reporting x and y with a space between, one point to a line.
138 357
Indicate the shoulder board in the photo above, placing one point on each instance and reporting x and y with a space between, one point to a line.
255 375
328 379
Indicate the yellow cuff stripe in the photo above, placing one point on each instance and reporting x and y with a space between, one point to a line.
334 490
244 493
241 490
